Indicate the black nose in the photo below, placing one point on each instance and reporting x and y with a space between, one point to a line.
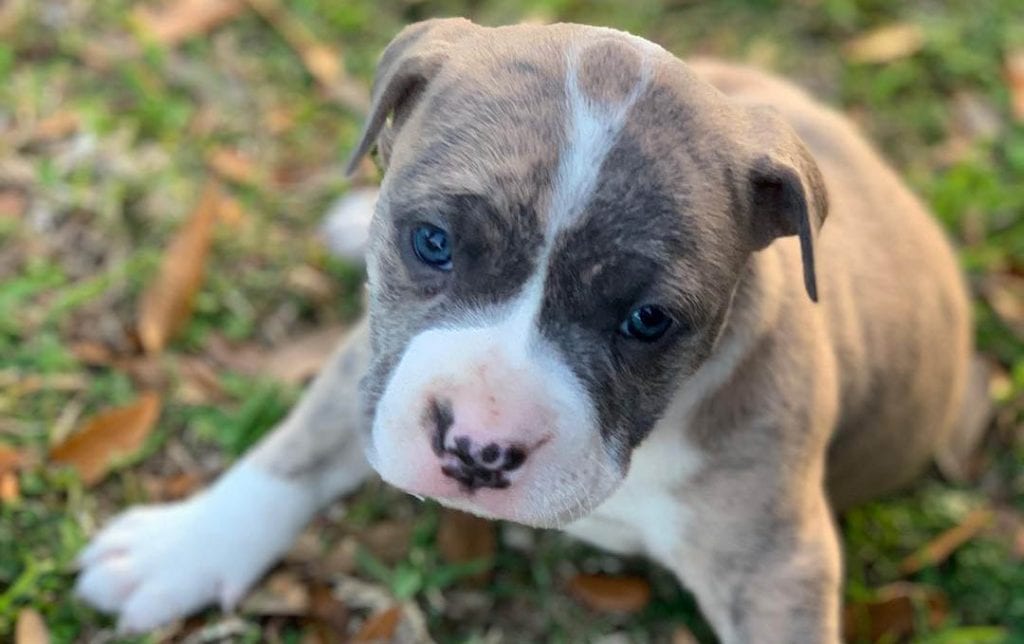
476 467
473 466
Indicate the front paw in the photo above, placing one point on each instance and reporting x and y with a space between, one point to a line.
154 564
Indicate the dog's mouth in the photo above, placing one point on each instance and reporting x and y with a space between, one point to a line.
544 496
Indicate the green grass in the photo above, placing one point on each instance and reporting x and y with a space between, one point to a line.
104 201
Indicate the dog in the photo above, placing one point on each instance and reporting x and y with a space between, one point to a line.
678 310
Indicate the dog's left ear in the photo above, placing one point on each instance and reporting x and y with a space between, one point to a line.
408 63
787 191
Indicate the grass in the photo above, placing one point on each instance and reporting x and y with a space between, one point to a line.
100 202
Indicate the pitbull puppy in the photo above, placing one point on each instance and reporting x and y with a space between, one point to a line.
602 298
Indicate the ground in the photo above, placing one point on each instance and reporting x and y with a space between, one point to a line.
107 140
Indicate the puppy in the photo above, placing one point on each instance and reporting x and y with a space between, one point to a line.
677 310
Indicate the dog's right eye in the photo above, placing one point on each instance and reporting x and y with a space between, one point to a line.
432 246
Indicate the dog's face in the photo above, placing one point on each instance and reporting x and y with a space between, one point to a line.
558 237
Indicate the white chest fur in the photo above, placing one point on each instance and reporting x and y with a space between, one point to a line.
647 514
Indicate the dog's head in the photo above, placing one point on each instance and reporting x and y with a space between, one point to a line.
565 214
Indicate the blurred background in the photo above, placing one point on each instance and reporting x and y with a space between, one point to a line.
165 290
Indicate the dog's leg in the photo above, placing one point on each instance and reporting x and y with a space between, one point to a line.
762 556
157 563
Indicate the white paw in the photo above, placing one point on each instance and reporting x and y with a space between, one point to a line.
154 564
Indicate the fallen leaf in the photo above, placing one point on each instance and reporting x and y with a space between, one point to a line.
199 383
892 611
56 126
296 361
231 211
19 383
11 16
388 540
10 489
282 594
609 594
178 20
380 627
310 282
31 629
166 305
13 203
1015 80
10 458
324 63
172 488
243 358
329 611
278 119
941 547
94 354
108 436
234 166
885 44
463 538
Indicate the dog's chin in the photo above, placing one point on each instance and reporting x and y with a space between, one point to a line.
551 518
537 503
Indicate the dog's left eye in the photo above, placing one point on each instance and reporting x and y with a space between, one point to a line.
432 246
646 323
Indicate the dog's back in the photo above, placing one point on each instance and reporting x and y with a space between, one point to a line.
896 307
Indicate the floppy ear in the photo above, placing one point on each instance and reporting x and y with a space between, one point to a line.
408 63
787 191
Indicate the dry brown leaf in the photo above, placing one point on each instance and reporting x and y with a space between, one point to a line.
941 547
380 627
282 594
892 612
199 382
311 282
172 488
388 540
31 629
885 44
166 305
243 358
329 611
464 538
231 211
95 354
13 203
609 594
1015 80
107 437
10 489
178 20
10 458
323 63
301 358
234 166
56 126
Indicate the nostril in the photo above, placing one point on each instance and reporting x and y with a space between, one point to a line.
514 457
463 450
442 419
490 453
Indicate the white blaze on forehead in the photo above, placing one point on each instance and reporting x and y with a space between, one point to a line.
593 127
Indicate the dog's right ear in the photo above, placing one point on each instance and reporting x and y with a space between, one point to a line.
408 63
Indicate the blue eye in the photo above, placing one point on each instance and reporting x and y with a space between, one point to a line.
646 323
431 245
